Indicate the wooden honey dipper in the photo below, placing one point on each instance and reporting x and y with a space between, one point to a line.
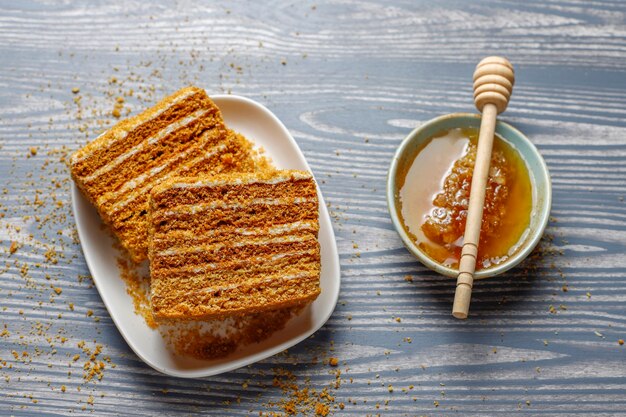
493 85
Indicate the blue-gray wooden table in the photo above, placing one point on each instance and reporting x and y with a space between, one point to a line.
349 78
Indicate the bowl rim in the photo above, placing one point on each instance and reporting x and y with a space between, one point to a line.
540 175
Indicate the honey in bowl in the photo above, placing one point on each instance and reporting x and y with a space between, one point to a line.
434 195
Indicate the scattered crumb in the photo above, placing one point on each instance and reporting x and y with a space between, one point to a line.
13 248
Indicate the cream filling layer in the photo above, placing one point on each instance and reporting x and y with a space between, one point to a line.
288 277
237 244
280 177
198 208
119 135
208 267
274 230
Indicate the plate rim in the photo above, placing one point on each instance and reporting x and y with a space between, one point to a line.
263 354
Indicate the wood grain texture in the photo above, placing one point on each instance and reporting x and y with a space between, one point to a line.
350 79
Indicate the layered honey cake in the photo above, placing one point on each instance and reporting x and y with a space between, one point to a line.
183 135
233 244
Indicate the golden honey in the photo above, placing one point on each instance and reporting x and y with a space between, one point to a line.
434 197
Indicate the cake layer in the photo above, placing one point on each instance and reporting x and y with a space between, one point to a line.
187 238
210 280
182 135
261 263
158 150
253 215
220 252
130 132
233 244
191 193
210 145
254 297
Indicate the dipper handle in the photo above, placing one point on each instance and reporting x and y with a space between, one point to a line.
493 85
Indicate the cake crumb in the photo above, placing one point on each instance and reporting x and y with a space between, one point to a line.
321 409
137 287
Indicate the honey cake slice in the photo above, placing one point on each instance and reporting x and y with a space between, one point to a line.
184 134
233 244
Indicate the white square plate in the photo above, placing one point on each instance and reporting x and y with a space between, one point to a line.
263 128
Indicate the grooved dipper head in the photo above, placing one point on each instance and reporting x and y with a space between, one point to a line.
493 82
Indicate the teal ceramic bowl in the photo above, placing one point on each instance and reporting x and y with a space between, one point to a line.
539 175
